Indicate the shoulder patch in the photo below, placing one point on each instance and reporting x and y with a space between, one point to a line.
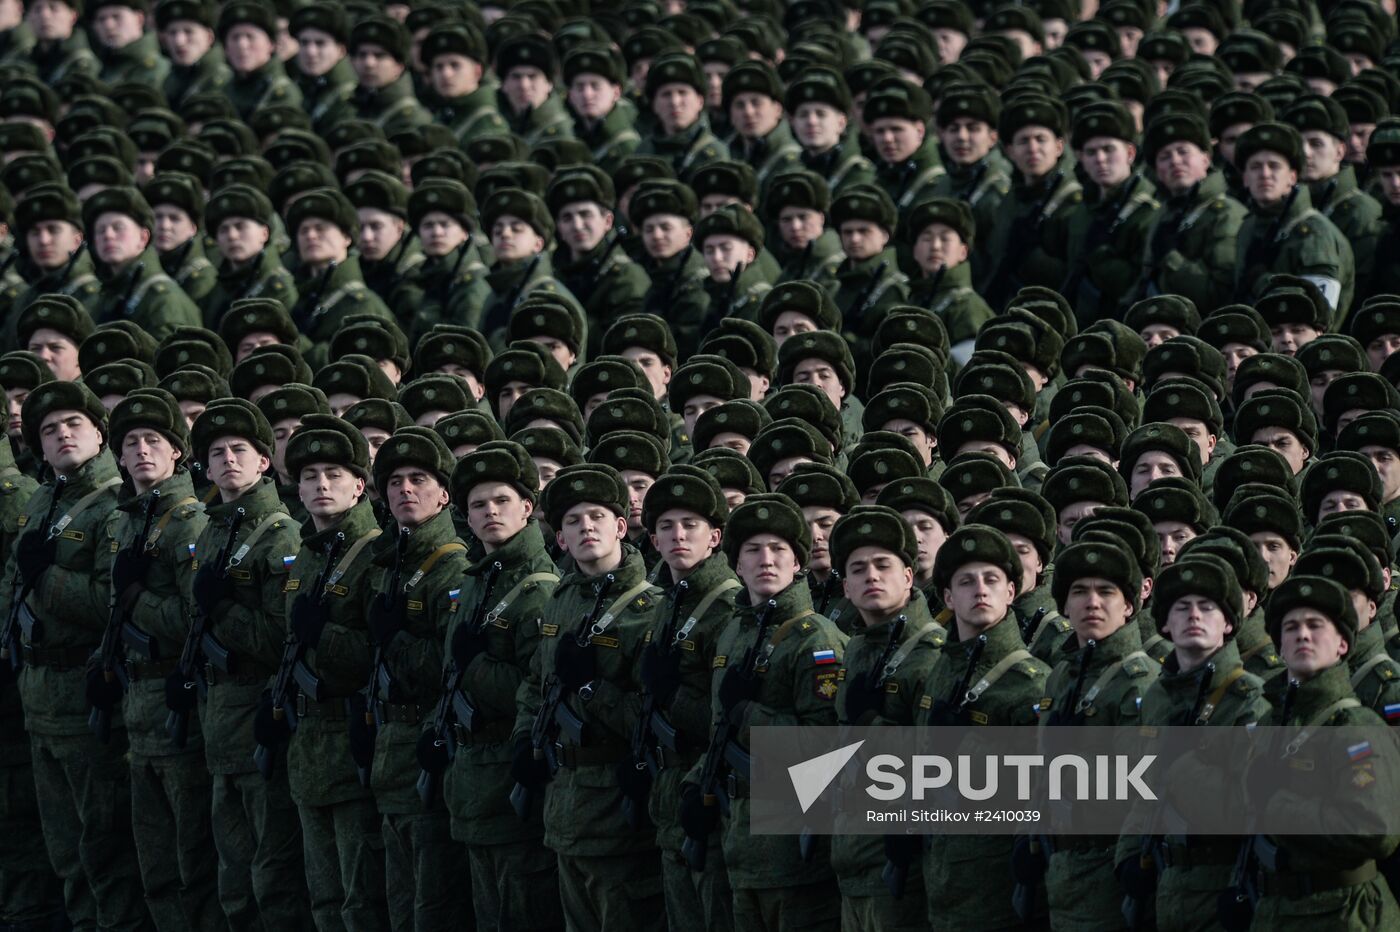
824 684
1136 667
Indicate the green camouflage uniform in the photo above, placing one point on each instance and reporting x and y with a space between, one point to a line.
326 299
423 865
1108 233
547 121
982 186
1375 677
143 294
54 61
396 269
16 44
269 86
678 294
139 62
1385 272
610 139
340 828
1257 649
440 289
514 877
393 108
511 284
256 832
209 75
948 293
1356 214
1030 237
841 166
472 115
1102 685
818 262
170 787
1044 640
694 901
1198 868
1297 239
912 180
84 789
191 269
76 278
859 860
29 891
772 155
1190 247
326 99
609 873
865 290
688 151
263 277
966 878
773 887
606 282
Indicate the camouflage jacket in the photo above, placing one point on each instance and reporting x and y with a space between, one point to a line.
54 61
15 491
269 86
1107 236
1355 213
325 299
139 62
688 151
1297 239
191 269
818 262
1029 240
76 278
536 125
393 108
208 75
606 282
326 98
948 293
840 166
983 185
262 277
143 293
610 139
678 295
770 156
440 289
511 284
472 115
1190 246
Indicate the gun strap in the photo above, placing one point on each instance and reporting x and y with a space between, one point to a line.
1103 679
514 593
602 624
263 527
1363 670
995 673
82 505
1346 702
343 566
918 182
165 519
1213 700
780 635
701 607
906 648
1293 224
1066 192
145 285
858 161
451 546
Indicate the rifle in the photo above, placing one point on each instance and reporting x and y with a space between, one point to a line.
1029 626
453 706
179 686
110 654
725 735
949 711
554 715
828 586
293 653
858 308
1067 714
9 638
653 730
381 681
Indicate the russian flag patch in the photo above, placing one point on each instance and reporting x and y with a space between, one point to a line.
820 657
288 561
191 546
1392 712
1359 751
454 594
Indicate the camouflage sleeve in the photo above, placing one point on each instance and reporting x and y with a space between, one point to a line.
529 695
495 678
810 670
259 630
345 651
81 595
1208 276
158 613
416 662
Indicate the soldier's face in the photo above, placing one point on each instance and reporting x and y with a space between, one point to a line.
979 595
186 42
1197 625
440 234
1235 353
281 433
1310 643
923 440
52 242
637 483
1031 565
1317 387
790 324
1151 466
1198 431
317 52
252 341
1172 536
677 107
930 536
1357 142
896 139
506 398
1269 178
191 410
51 20
664 235
1322 155
820 521
375 67
823 375
1035 150
583 225
949 43
877 582
593 96
939 246
117 26
328 490
11 14
58 352
512 239
1285 443
558 349
1201 41
861 239
455 75
715 72
1387 463
591 533
526 87
1072 514
247 48
68 440
1278 555
340 402
1339 501
414 495
1180 165
1157 334
733 441
240 239
1388 179
818 126
496 512
1289 338
684 540
784 468
1096 608
380 232
173 227
966 140
695 406
800 225
15 397
320 242
1380 348
149 457
724 253
1108 161
118 239
767 564
754 115
374 438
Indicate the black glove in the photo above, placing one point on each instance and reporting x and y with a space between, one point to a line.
35 552
467 643
661 673
387 617
736 691
129 568
102 693
211 587
903 850
308 620
575 664
862 699
634 778
433 755
697 819
181 694
525 769
1028 865
269 730
1137 881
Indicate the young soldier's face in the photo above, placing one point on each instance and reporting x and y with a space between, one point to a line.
939 246
896 139
1071 515
696 406
823 375
1151 466
979 595
1322 155
877 582
52 242
328 490
593 96
173 227
440 233
51 20
1195 623
820 521
118 239
320 242
861 239
240 238
148 456
1096 608
374 66
967 140
1340 501
949 43
754 115
930 536
496 512
58 352
684 540
657 372
790 324
247 48
317 52
1388 180
677 107
800 225
116 26
414 495
1180 165
282 433
1310 643
1035 150
591 533
235 464
1278 555
380 232
724 254
1387 463
583 225
526 87
1357 142
1172 536
637 483
1031 564
374 439
69 439
1285 443
1289 338
513 239
818 126
767 564
784 468
1108 161
1269 178
664 235
186 42
923 441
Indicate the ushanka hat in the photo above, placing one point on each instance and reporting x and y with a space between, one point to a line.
502 461
873 526
975 543
768 513
324 438
589 483
688 488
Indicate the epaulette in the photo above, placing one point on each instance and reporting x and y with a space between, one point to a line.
1031 668
1137 666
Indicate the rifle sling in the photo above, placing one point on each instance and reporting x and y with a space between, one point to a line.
514 593
1104 678
451 546
82 505
1364 670
343 566
165 519
906 648
1213 700
602 624
995 673
253 538
701 607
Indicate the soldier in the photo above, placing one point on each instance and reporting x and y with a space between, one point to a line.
520 227
685 513
175 201
1099 681
823 359
389 252
127 51
451 281
752 95
593 75
1030 233
331 286
977 173
1198 604
22 372
941 234
468 105
890 657
55 258
1383 158
526 66
1316 629
931 514
1284 232
731 241
965 878
240 219
896 115
818 104
675 91
797 659
256 831
248 32
383 94
62 571
197 66
609 874
664 212
53 328
284 407
640 459
323 73
797 203
824 494
869 281
61 49
1108 230
152 533
589 261
1027 521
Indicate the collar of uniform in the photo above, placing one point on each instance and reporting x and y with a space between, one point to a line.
178 487
824 163
1178 684
625 575
851 270
174 260
1113 648
378 98
712 571
959 276
357 522
915 612
115 279
1252 631
342 273
88 476
260 500
562 262
793 600
527 542
1002 638
1370 641
506 275
423 540
483 96
926 154
1318 693
136 51
259 266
